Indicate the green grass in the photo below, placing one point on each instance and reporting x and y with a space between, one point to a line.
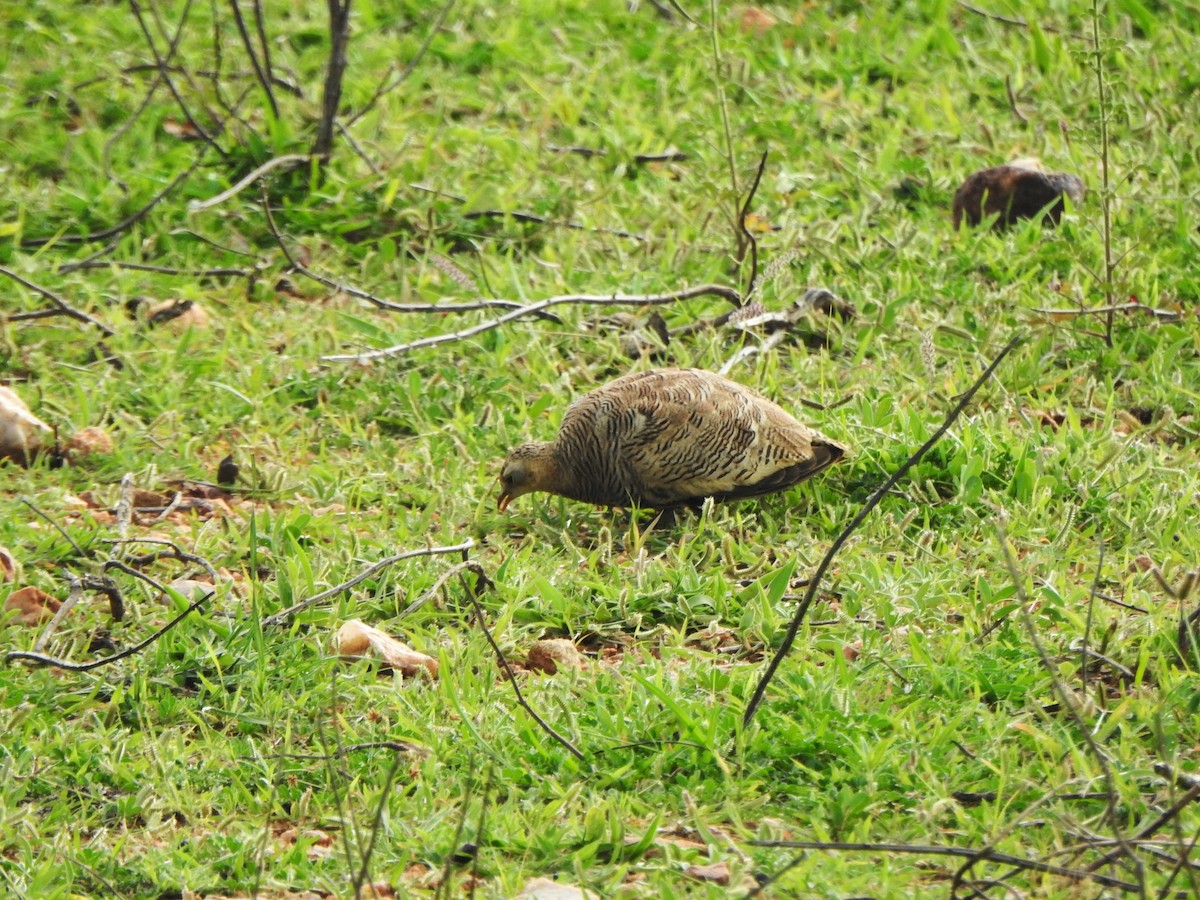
180 767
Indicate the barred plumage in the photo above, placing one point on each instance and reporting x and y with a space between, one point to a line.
666 438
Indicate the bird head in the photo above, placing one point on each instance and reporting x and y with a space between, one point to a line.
527 468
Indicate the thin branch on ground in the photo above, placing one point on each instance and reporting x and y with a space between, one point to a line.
62 307
1020 23
42 659
481 581
1163 315
519 216
1084 649
534 309
161 63
385 796
1106 196
70 540
218 272
281 618
159 79
874 500
1012 100
284 85
175 552
1112 797
351 290
291 160
942 850
124 224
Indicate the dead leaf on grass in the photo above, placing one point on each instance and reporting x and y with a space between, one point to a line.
357 639
185 131
756 21
88 442
320 843
554 653
715 873
32 604
545 889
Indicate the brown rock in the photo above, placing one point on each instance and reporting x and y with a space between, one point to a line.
667 438
1015 192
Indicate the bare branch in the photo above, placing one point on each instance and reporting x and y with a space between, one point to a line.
798 618
291 160
121 226
62 306
472 595
339 37
534 309
42 659
260 71
280 618
741 223
940 850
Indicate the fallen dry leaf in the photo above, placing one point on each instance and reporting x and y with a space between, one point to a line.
33 605
320 843
20 430
185 131
716 873
545 889
756 21
143 499
551 654
356 637
88 442
8 566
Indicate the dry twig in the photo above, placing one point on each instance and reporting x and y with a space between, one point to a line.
280 618
815 582
534 309
62 307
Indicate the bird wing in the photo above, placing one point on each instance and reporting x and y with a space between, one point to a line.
676 436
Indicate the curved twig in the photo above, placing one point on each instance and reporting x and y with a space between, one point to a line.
353 291
281 617
124 223
43 660
62 305
288 159
472 595
745 211
941 850
534 309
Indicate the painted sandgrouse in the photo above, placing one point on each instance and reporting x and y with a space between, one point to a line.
667 438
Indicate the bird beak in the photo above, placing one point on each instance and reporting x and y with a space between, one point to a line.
503 500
